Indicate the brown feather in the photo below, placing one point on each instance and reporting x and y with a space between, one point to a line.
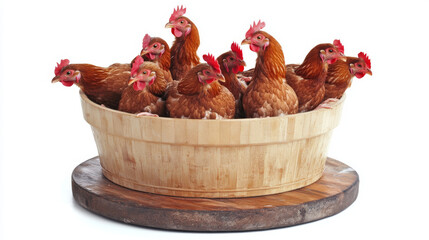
184 53
190 85
103 85
164 60
232 84
268 95
188 98
339 78
308 79
148 99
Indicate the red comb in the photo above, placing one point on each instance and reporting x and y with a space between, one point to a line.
177 13
210 59
146 41
235 48
339 46
137 62
254 28
366 59
60 66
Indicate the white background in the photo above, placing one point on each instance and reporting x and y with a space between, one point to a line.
383 133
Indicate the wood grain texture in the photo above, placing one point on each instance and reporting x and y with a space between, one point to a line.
334 192
212 158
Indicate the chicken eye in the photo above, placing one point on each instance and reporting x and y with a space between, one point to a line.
231 59
144 72
181 22
68 72
359 65
207 72
331 50
155 45
259 37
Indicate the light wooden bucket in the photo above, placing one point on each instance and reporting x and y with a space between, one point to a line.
212 158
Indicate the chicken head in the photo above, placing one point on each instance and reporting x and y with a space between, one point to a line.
234 60
152 47
330 53
361 66
211 72
255 38
67 76
180 26
141 76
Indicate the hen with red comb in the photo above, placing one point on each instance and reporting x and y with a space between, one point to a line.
146 88
231 63
341 73
308 78
267 95
156 49
199 95
101 85
187 40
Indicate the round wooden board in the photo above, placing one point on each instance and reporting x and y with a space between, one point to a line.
334 192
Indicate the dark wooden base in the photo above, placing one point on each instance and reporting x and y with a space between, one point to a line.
334 192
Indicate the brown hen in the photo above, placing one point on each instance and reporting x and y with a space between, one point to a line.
156 49
184 49
231 63
199 95
146 88
341 73
101 85
308 79
267 95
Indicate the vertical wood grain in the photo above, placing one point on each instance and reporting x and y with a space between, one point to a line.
212 158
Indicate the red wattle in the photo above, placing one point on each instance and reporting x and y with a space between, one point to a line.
331 61
176 32
138 86
240 68
67 83
360 75
237 69
210 81
254 48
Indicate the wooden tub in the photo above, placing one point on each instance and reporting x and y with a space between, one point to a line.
212 158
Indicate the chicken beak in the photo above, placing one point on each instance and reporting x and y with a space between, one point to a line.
140 78
245 41
132 80
56 79
220 77
368 71
242 63
144 52
341 56
169 25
